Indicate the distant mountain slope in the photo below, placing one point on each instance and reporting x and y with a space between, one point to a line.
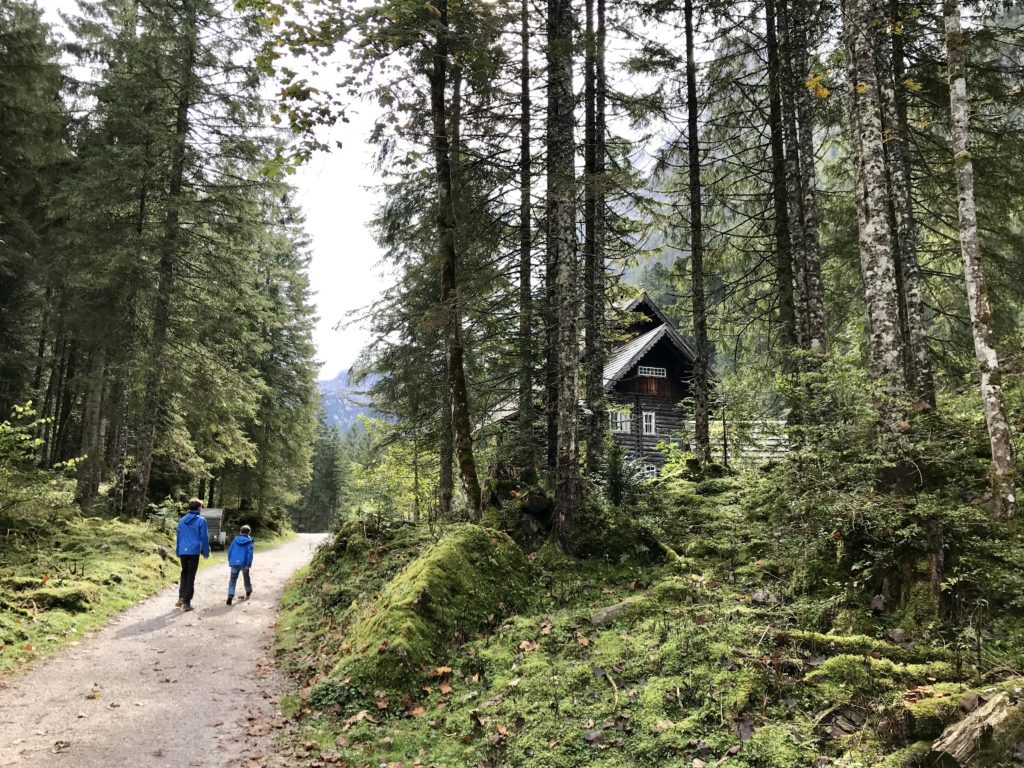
343 402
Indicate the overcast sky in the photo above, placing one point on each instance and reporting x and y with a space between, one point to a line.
336 192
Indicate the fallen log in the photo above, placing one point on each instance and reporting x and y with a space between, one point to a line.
861 644
987 734
628 607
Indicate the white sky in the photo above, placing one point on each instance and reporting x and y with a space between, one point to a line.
335 192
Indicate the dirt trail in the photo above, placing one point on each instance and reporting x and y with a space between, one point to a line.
174 689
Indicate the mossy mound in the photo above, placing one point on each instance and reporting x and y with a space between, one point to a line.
453 590
73 598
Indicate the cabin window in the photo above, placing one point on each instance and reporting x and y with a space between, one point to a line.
620 420
650 423
647 471
650 370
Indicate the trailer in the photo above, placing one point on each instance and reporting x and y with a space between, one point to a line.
215 525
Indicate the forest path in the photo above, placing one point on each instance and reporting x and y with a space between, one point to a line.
158 687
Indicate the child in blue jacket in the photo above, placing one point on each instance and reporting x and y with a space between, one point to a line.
240 560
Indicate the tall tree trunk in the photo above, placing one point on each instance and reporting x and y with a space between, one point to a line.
54 387
977 295
157 358
446 457
783 243
526 414
69 397
788 83
447 246
813 286
561 244
44 329
92 445
593 250
701 382
878 273
918 363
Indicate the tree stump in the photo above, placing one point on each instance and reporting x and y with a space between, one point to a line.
989 732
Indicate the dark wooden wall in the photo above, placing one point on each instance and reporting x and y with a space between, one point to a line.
669 423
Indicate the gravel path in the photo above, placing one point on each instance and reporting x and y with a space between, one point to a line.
159 687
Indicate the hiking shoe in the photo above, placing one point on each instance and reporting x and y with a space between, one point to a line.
230 598
179 604
187 607
248 595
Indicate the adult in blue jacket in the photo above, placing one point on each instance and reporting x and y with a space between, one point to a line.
240 560
193 540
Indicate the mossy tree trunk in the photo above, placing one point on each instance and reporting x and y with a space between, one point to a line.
561 246
702 363
892 74
447 247
526 352
594 239
861 22
970 247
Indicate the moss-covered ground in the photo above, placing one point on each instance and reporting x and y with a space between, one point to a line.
724 656
53 591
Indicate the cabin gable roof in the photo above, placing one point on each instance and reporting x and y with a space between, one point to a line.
644 304
623 358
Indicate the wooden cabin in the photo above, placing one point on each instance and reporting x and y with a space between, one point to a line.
647 379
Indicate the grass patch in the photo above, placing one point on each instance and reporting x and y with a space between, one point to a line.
54 591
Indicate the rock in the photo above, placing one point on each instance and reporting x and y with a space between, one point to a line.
629 606
162 551
877 604
969 702
763 596
898 636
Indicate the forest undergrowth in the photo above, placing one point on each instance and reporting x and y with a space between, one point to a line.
756 640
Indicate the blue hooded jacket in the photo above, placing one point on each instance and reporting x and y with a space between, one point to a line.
193 538
240 552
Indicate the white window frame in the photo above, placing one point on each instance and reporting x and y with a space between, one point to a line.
653 371
653 423
647 471
620 420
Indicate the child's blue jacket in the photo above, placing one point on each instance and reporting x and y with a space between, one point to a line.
193 536
240 552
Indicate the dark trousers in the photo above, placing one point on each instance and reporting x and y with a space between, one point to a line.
187 583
